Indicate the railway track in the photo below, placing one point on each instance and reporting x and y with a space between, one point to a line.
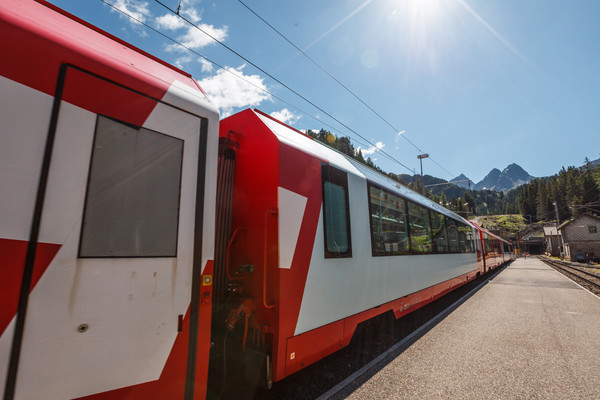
580 274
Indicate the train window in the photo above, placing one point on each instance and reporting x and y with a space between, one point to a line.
440 236
132 200
336 213
465 238
420 229
453 246
388 223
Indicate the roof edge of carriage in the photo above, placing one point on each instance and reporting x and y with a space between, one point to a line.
113 37
369 172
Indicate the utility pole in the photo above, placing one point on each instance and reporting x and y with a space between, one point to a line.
558 237
421 157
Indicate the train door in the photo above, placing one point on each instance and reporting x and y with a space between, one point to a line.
117 201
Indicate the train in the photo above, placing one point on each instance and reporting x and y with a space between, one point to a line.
149 249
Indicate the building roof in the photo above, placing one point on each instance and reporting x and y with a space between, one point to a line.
588 214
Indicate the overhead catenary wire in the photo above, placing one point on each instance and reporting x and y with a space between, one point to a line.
396 130
281 83
224 68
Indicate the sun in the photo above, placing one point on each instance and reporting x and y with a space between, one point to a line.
424 12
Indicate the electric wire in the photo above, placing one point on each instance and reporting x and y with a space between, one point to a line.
279 82
227 69
339 83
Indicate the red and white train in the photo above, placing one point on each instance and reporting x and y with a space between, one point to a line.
136 228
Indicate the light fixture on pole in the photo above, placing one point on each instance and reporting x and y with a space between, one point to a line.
421 157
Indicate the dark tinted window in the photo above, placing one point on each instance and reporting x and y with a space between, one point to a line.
336 213
132 201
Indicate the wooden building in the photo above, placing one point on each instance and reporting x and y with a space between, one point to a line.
580 238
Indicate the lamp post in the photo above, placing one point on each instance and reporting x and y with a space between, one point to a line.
421 157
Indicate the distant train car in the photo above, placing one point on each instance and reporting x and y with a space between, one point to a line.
492 250
108 177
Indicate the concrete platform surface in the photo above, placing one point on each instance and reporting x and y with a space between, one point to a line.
530 333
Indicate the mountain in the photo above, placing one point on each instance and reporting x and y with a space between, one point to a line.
511 177
462 177
593 163
438 185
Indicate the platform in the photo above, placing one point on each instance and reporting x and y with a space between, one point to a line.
529 333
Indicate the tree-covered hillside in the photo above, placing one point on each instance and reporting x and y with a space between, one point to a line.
575 190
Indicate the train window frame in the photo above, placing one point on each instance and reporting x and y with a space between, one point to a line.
375 252
95 242
436 247
410 228
334 176
454 223
468 245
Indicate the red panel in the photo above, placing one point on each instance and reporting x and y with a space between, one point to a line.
263 164
12 262
255 195
312 346
102 97
37 40
301 174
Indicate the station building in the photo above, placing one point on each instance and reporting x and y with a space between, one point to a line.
580 238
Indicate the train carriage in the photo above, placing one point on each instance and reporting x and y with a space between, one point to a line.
330 242
108 176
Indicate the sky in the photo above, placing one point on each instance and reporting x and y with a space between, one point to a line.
476 84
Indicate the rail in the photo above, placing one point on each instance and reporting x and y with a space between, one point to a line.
568 268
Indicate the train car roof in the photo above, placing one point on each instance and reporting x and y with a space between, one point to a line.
42 37
287 134
488 232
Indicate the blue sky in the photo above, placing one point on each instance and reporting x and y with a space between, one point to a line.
476 84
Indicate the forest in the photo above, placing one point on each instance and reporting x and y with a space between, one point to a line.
574 190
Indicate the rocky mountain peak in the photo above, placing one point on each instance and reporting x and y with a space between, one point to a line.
509 178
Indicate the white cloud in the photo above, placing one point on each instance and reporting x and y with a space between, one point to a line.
228 91
170 21
372 149
181 61
398 135
196 39
136 8
207 66
173 22
286 116
188 11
